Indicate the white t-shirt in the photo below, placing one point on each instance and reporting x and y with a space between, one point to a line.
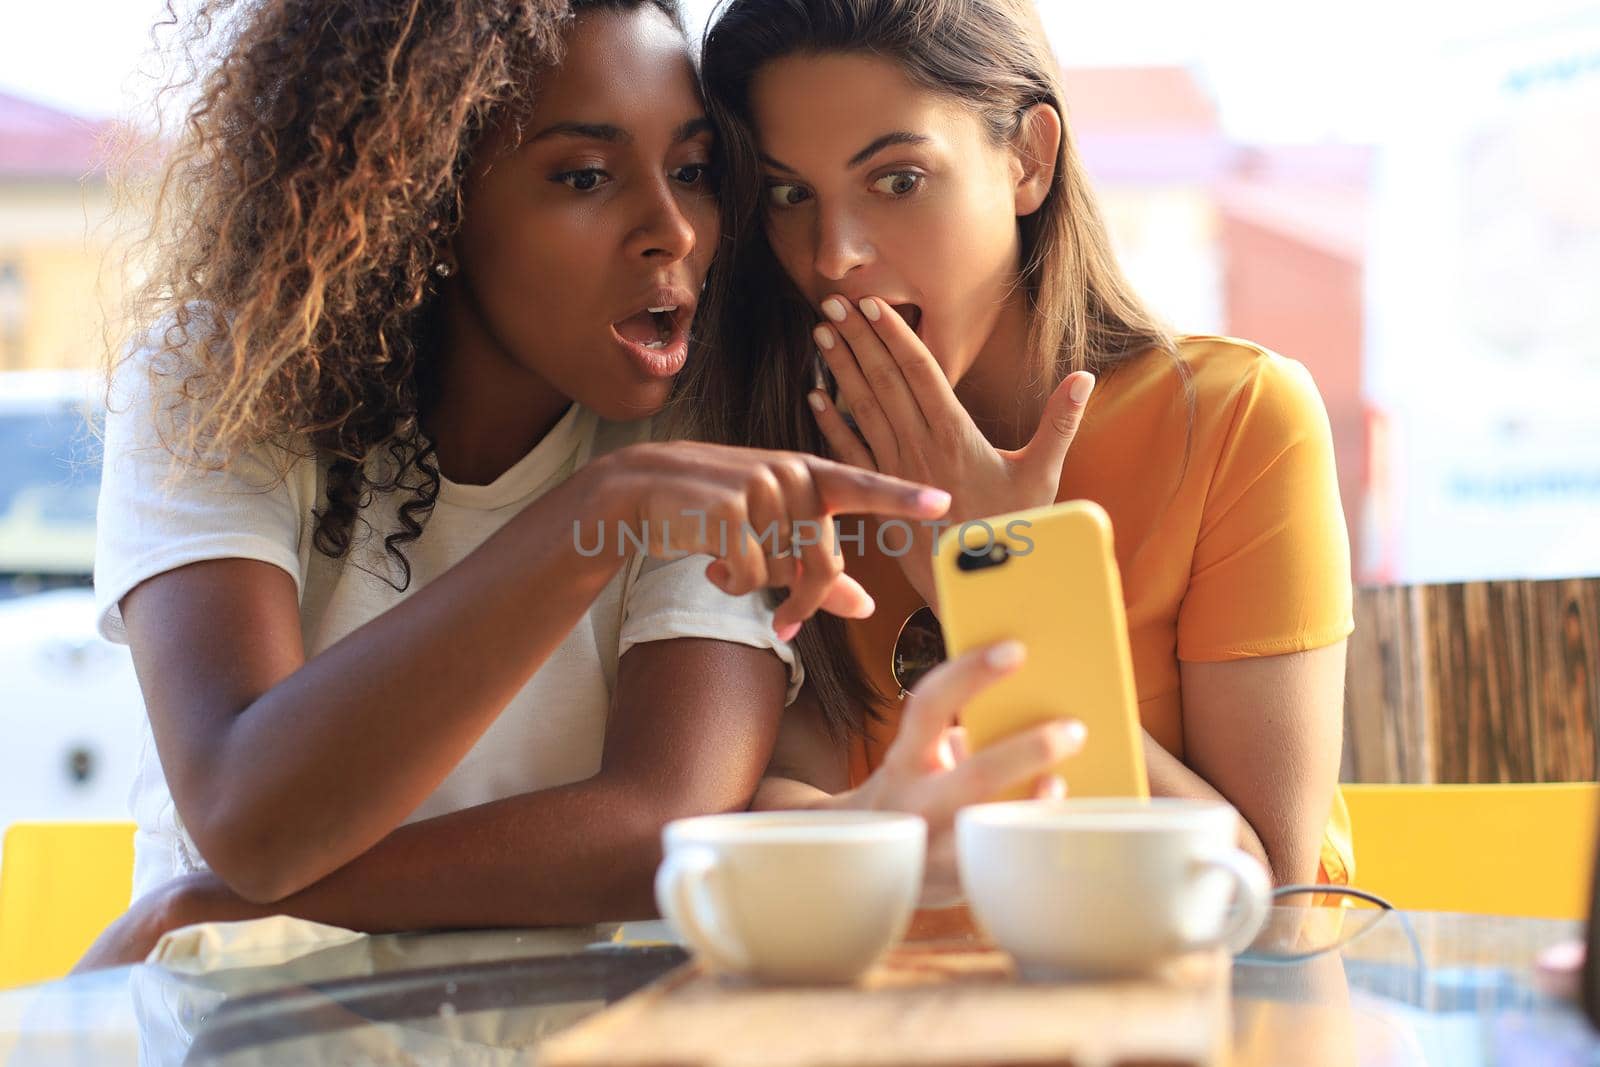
155 517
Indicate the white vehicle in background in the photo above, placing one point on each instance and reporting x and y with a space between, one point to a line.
69 702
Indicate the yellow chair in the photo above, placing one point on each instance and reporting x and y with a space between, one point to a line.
1489 849
61 884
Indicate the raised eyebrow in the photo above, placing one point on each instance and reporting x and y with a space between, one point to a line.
775 165
888 140
592 131
692 129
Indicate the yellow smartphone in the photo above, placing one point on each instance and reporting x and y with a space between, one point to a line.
1048 577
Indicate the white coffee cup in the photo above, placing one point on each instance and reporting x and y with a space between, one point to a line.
792 896
1103 887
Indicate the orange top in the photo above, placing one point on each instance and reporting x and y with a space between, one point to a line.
1228 531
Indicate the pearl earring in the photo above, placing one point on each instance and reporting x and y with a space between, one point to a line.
443 269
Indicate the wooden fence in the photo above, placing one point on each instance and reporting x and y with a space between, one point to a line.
1475 682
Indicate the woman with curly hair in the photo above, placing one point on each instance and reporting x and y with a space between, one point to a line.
424 270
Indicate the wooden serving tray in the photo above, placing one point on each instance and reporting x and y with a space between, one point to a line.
956 1004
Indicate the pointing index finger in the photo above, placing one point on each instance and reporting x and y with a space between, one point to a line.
851 491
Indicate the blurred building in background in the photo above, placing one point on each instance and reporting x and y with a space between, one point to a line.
54 204
1442 285
1152 141
56 268
1267 243
69 701
1483 335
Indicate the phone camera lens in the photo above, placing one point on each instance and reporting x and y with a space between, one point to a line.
979 558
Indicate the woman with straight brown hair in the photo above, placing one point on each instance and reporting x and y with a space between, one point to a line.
906 209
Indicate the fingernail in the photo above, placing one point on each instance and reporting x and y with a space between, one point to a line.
1006 655
787 633
870 308
1072 732
1057 787
1082 388
862 610
819 403
934 500
834 308
824 337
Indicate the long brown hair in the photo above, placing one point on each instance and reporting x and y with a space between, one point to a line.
749 379
298 220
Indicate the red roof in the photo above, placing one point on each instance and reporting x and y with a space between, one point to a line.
1138 99
1319 195
37 141
1146 125
1160 126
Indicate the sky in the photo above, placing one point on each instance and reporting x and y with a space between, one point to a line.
1283 71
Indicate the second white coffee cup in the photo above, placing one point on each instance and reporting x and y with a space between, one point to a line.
792 896
1103 887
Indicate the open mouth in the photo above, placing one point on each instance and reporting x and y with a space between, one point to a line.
652 328
912 313
657 335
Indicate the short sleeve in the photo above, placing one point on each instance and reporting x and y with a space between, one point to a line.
157 514
1271 567
669 599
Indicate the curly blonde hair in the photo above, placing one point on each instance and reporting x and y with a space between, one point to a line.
316 183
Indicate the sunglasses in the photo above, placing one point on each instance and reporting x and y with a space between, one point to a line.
917 650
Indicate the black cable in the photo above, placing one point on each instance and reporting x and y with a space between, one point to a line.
1340 890
1348 891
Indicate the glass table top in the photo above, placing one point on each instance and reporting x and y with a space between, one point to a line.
1320 985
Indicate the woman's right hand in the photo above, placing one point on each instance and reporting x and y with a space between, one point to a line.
199 897
686 497
928 772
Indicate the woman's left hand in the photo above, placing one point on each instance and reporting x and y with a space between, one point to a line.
912 426
189 899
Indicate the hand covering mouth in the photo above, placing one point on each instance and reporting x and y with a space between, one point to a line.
912 313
